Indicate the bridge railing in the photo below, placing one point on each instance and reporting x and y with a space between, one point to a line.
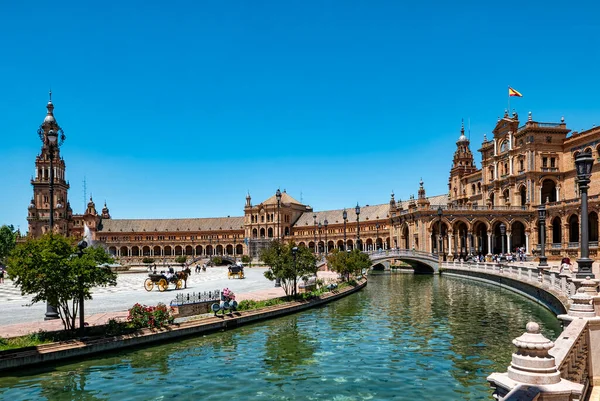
400 252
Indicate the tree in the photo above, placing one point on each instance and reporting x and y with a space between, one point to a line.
51 269
346 263
279 257
180 259
148 261
8 240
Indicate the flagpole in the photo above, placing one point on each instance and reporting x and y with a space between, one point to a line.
508 93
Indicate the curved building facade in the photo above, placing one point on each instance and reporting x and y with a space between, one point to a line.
523 165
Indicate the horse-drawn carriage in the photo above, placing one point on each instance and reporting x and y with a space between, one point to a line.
236 270
162 281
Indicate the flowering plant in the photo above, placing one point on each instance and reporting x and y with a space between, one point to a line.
158 316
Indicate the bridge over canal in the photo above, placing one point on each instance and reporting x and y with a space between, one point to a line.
422 262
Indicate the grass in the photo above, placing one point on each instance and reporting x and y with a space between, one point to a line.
30 340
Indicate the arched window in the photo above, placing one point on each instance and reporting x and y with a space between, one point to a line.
548 191
504 147
574 228
556 230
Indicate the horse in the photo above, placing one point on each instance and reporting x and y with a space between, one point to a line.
183 275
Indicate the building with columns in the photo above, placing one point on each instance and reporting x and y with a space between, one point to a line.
522 166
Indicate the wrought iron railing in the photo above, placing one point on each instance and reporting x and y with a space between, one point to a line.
194 298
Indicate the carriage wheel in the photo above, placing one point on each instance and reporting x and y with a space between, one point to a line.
148 284
179 284
162 284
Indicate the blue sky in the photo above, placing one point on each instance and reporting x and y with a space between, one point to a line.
178 109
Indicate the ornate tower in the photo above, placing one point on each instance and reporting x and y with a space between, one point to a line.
463 164
38 215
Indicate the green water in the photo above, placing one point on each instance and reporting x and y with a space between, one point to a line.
403 337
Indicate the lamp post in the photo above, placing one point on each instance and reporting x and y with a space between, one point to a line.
583 165
319 225
542 221
502 233
357 210
234 257
294 252
326 223
376 236
278 196
80 247
345 216
315 232
54 142
439 213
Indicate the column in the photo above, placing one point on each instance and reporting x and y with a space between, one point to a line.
526 243
489 235
450 243
508 241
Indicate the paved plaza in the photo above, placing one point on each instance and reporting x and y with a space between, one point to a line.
130 289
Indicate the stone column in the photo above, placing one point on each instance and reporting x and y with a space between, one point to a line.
489 235
526 243
508 241
450 244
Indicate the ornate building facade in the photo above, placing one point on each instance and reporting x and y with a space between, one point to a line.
522 167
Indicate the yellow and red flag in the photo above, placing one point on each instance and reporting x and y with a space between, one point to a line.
513 92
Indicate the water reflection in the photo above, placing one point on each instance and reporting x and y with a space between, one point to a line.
403 337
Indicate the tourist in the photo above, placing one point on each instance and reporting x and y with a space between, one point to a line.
565 266
1 274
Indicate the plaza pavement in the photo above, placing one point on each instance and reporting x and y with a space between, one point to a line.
18 318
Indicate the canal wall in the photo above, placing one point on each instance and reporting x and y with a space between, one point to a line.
54 352
532 289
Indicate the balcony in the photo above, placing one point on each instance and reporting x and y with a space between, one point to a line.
573 245
549 169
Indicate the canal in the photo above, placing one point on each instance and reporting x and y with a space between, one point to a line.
404 337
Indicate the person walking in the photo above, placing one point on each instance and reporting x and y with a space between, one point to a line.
2 274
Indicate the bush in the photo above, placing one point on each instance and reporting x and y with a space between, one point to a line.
116 328
248 304
180 259
153 317
147 260
246 259
217 260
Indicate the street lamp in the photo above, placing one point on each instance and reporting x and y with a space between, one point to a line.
294 252
357 210
502 233
326 223
583 165
376 236
440 244
345 216
542 221
319 237
80 247
54 142
278 196
234 257
315 232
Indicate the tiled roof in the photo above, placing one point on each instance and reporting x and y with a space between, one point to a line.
375 212
199 224
285 198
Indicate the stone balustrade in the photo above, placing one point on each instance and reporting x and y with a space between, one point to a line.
564 370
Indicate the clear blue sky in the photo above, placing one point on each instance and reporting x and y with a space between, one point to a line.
177 109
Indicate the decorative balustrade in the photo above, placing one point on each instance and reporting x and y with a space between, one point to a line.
573 245
571 352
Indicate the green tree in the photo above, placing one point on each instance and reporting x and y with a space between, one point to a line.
346 263
279 257
148 260
181 259
8 239
51 269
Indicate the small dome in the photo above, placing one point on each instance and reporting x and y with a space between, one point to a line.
31 205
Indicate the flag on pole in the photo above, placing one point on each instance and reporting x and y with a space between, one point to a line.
513 92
